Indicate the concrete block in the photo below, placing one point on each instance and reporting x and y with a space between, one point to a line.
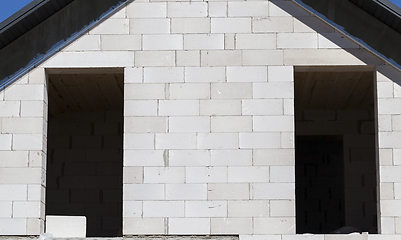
287 140
147 10
26 209
143 192
149 26
189 91
203 41
206 174
260 237
13 158
390 157
37 159
145 124
248 208
229 41
273 90
220 107
305 236
140 108
190 25
282 208
22 125
121 42
20 92
13 192
231 124
186 192
228 191
231 90
385 89
387 225
185 9
133 75
395 125
389 139
231 25
231 157
36 192
256 41
12 226
390 174
179 108
111 26
136 226
33 109
155 58
189 158
144 91
231 225
27 141
273 191
189 226
37 76
247 174
264 107
206 209
259 140
297 40
122 13
218 9
34 226
273 123
248 9
89 59
262 57
66 226
132 174
246 74
389 106
204 74
187 58
311 24
84 43
139 141
163 75
175 141
283 225
280 74
10 108
221 58
335 40
163 209
282 174
143 158
387 191
217 141
189 124
272 25
164 175
163 42
329 57
132 209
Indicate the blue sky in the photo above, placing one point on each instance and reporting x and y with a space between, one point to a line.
9 7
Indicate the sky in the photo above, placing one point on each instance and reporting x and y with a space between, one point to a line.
9 7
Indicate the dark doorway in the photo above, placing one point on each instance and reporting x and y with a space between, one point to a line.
319 183
335 132
85 142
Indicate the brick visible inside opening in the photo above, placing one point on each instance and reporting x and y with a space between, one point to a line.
335 152
84 166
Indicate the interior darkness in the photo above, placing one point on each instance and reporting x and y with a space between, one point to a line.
319 183
335 151
85 141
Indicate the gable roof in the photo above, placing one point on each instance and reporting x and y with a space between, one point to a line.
73 15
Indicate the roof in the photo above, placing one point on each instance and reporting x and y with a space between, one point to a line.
27 18
384 10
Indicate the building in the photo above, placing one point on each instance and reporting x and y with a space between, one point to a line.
257 119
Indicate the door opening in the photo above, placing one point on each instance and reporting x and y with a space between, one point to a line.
335 151
84 164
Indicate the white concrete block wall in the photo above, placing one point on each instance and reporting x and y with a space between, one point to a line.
208 116
23 131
